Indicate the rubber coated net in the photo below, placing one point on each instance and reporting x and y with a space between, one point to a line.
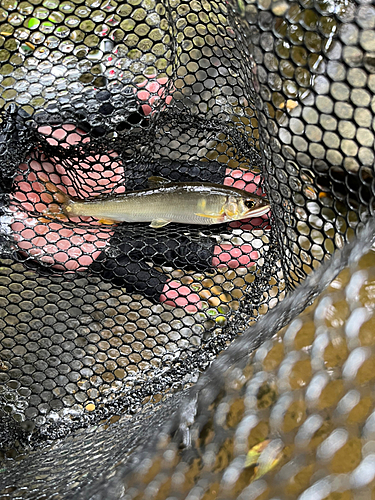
109 382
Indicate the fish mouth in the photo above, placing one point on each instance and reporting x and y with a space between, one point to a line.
257 212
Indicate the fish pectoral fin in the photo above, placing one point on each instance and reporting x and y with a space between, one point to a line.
159 223
209 216
219 216
157 181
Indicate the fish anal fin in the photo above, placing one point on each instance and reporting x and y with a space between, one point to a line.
107 221
156 223
157 181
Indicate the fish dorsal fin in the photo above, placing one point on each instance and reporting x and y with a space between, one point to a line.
157 181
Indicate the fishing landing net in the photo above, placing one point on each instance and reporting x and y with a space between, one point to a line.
149 363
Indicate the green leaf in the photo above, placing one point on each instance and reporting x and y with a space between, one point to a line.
33 22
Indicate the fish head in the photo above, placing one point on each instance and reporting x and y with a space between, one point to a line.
254 206
246 206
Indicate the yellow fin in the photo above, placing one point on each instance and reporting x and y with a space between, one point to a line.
159 223
209 216
106 221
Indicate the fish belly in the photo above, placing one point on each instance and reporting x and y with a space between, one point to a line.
175 207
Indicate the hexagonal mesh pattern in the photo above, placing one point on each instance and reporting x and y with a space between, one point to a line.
97 98
312 75
281 414
102 320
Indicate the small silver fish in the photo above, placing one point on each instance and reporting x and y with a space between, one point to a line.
165 202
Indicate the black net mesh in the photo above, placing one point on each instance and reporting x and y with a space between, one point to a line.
106 328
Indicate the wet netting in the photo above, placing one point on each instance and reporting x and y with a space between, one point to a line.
226 361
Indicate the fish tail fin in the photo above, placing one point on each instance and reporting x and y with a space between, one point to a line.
59 203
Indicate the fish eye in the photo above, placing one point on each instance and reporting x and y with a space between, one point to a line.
249 203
